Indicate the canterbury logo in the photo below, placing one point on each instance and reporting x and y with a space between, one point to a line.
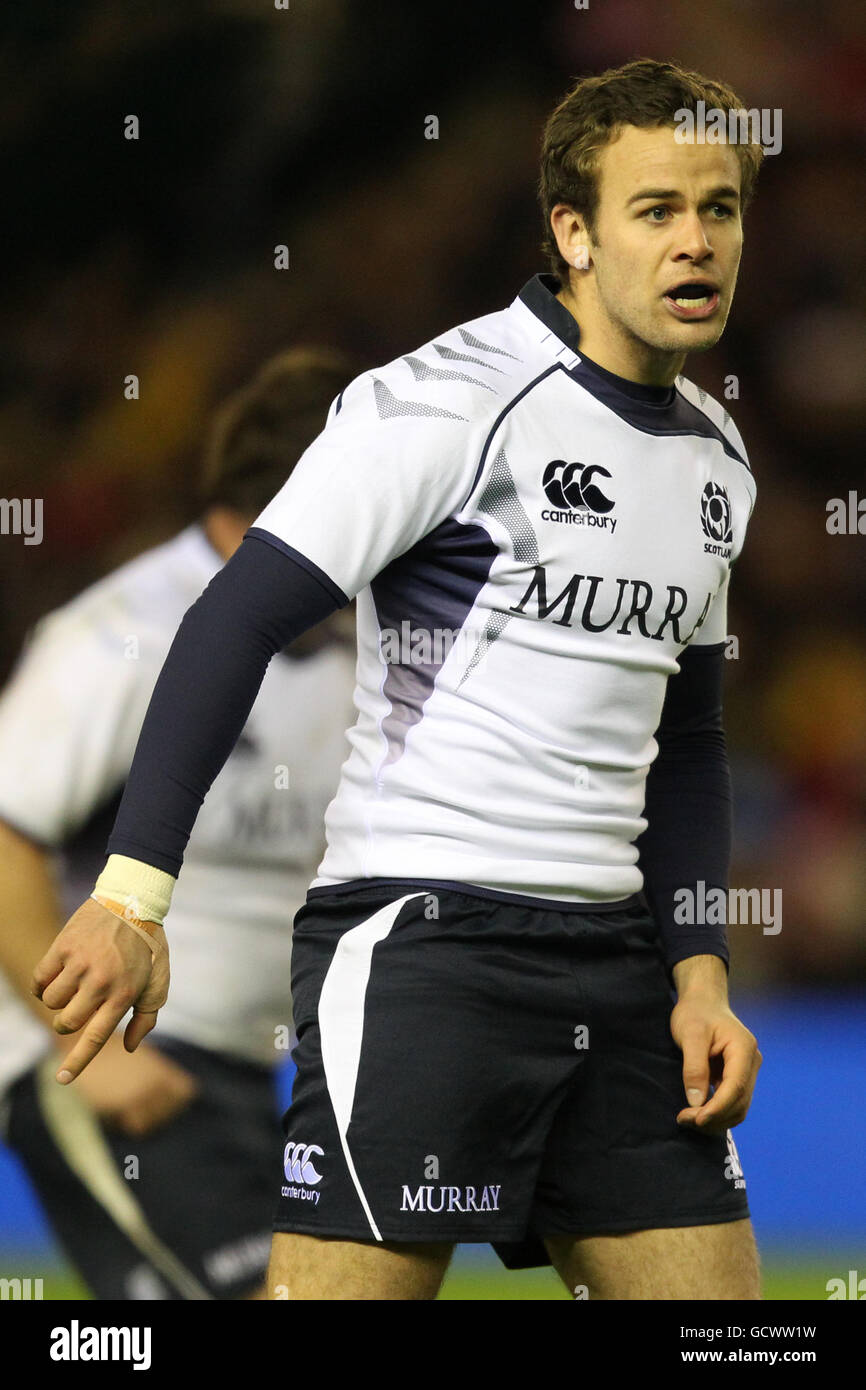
570 485
298 1163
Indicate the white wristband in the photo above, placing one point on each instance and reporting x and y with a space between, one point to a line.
141 891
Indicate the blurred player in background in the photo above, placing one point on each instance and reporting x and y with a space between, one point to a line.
156 1169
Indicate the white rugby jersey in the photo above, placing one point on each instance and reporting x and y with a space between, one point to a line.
69 723
533 542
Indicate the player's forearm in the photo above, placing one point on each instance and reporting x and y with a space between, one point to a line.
685 852
258 603
30 913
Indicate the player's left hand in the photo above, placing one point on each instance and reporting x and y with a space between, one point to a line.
717 1050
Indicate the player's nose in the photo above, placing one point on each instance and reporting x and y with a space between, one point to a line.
692 239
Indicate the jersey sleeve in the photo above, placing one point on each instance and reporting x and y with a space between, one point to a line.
69 719
387 469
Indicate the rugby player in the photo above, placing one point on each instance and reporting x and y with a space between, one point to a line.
499 1013
155 1170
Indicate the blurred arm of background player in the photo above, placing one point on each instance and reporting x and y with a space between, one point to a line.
134 1093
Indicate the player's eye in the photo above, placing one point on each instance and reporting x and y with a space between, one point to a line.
659 207
723 210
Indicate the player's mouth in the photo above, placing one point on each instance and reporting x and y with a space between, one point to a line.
693 299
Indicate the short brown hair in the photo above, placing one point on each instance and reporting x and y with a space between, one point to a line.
260 432
641 93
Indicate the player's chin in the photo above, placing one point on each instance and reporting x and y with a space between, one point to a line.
691 337
695 335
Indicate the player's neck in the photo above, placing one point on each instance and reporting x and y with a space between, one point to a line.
602 343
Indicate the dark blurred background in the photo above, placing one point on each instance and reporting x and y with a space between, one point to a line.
305 127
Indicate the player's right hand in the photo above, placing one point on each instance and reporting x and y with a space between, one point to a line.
97 969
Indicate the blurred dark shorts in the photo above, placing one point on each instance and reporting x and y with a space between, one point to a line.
183 1213
475 1069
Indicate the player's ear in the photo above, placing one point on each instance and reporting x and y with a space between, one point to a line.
572 236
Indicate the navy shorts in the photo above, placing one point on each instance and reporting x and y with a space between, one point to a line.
475 1068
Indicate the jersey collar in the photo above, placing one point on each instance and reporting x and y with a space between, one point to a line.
539 296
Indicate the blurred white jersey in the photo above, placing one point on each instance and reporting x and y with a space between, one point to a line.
69 723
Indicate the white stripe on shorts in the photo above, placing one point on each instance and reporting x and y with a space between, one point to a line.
341 1021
